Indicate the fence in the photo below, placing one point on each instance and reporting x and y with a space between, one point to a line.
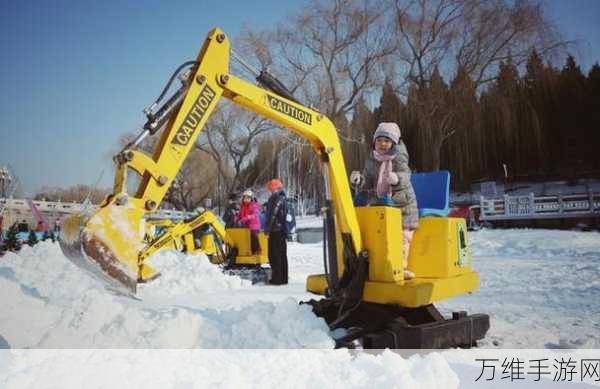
53 210
529 207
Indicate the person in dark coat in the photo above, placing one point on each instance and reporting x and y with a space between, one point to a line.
386 180
230 215
276 228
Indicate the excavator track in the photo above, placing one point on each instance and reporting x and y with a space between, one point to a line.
378 326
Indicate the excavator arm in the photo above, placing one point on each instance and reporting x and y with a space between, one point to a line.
173 236
109 242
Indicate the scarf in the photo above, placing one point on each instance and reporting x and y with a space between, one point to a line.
383 186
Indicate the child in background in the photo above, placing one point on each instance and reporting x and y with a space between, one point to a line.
248 217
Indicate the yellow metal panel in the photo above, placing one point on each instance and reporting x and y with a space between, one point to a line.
411 293
184 128
420 291
207 242
188 240
381 229
437 249
240 239
316 283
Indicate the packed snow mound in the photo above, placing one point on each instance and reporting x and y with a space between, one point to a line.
101 321
540 243
190 369
52 303
182 274
44 272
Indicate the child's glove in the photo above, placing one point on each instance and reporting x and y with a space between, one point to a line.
355 177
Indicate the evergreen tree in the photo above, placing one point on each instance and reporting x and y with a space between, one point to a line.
593 109
572 136
32 239
12 241
461 154
390 105
362 125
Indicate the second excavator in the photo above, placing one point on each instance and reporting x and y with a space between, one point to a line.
363 283
205 234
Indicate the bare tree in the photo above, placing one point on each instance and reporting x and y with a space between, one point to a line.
75 193
195 182
334 51
329 54
231 138
470 36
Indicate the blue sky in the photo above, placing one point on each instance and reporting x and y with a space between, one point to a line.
75 75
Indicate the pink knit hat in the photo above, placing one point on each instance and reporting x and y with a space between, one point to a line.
389 130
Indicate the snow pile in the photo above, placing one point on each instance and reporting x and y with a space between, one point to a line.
100 321
549 244
43 271
49 302
191 369
539 287
186 275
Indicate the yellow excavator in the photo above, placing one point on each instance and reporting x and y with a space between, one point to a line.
363 283
206 234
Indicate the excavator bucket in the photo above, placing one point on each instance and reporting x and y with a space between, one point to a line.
106 244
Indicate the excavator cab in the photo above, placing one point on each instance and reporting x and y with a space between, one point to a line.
363 283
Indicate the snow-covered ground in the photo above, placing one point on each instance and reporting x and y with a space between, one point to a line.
539 287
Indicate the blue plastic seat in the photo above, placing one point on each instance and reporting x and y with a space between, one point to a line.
433 192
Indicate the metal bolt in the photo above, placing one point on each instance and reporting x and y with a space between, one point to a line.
121 200
220 38
128 155
224 78
162 180
200 79
319 117
150 205
329 150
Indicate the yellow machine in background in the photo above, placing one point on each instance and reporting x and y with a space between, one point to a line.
206 234
363 280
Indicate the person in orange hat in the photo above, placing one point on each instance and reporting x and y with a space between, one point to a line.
276 228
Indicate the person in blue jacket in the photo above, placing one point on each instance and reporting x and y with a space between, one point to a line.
277 229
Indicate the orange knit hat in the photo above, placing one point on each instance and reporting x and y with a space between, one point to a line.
274 184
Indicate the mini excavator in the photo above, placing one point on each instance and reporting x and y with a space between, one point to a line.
206 234
365 292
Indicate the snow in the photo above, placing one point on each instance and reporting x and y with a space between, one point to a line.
309 222
42 369
540 288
